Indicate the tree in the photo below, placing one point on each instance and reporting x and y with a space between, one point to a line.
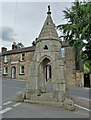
78 29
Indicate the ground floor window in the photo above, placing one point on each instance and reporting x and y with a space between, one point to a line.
5 70
21 69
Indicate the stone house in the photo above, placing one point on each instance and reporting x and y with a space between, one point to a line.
15 62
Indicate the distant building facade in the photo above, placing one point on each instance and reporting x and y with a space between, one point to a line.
74 70
15 62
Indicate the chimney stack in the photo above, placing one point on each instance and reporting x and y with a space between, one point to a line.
14 46
4 49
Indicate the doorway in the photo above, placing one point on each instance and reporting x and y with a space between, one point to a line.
45 75
86 80
13 72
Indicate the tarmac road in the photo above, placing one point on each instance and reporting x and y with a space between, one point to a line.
11 109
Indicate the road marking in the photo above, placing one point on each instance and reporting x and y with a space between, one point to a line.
5 110
82 107
17 104
84 98
7 103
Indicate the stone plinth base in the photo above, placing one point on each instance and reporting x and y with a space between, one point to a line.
60 96
33 97
30 92
58 99
69 105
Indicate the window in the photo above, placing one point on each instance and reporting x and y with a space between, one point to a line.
48 72
62 52
45 47
5 59
5 70
22 56
21 69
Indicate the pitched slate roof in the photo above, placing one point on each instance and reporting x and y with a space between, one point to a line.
19 50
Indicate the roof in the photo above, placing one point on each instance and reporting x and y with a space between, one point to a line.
48 30
19 50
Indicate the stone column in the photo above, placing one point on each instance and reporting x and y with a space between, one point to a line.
37 91
32 87
60 83
41 79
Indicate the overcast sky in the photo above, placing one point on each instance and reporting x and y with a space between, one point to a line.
22 21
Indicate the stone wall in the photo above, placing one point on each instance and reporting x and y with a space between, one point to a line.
70 65
79 78
73 77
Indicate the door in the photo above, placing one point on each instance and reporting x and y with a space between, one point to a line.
86 80
13 72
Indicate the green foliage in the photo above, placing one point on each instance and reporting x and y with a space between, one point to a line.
86 67
78 28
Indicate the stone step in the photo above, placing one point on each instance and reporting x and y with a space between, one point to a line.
44 97
57 104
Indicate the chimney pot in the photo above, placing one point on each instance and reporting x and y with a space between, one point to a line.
14 46
4 49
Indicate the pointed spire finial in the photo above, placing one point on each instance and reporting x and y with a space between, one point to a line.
48 10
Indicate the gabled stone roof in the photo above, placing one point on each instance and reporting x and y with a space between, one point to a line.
19 50
48 30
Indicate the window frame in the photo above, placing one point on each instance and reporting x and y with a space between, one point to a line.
21 70
62 52
48 72
22 57
5 59
5 71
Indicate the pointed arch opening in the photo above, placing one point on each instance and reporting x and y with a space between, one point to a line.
45 73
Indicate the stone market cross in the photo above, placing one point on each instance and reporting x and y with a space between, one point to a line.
47 69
